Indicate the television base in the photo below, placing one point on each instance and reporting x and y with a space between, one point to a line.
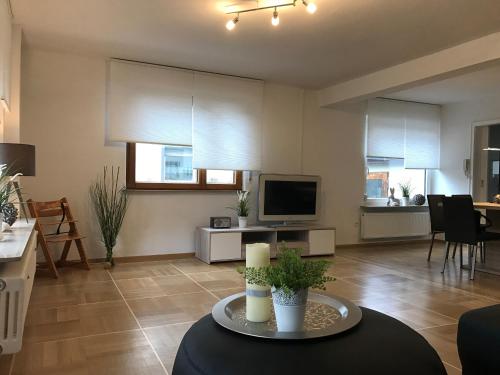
292 224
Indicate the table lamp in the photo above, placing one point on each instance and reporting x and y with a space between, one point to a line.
20 158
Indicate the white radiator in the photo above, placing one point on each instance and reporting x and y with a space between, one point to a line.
16 282
394 224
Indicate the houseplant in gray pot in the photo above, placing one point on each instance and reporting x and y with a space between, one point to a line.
290 279
242 208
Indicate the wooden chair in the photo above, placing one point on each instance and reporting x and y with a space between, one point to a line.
60 211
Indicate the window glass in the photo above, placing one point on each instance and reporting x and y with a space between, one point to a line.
164 163
385 173
220 177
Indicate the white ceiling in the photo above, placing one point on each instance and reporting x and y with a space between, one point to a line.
343 40
469 86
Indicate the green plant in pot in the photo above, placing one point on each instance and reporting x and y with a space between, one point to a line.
110 205
242 208
290 278
8 211
406 189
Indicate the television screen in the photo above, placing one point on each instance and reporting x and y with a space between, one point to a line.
290 197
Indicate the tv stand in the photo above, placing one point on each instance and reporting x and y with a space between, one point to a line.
217 245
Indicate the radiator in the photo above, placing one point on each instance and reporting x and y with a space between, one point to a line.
16 282
394 224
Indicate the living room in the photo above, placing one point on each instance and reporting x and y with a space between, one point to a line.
194 101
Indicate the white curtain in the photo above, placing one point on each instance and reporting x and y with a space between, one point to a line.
422 136
227 122
385 128
149 104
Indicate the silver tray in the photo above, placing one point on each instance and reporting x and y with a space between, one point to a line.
325 316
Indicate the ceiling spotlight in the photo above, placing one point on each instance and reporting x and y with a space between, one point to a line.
310 7
232 23
276 18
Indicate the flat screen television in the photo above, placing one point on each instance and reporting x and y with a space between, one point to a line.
289 197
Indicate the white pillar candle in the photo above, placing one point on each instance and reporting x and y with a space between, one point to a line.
258 298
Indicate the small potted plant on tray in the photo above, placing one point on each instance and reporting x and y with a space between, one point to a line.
242 208
290 279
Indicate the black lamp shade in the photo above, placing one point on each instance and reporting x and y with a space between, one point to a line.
20 158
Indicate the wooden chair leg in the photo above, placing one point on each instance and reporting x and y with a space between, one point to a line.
454 250
48 258
81 251
430 248
446 256
65 251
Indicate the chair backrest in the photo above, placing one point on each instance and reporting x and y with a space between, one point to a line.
436 212
59 208
460 222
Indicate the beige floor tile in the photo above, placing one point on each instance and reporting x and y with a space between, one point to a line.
193 265
69 275
348 290
451 370
166 340
223 293
143 269
172 309
43 324
157 286
111 354
418 318
443 339
72 294
219 280
384 304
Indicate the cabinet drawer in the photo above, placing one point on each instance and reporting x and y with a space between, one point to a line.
321 242
225 246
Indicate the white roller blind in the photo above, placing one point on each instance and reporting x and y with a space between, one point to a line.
149 104
227 123
385 128
422 136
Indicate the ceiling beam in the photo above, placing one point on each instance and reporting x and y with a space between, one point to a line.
443 64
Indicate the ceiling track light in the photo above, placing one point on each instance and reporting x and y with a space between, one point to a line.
275 20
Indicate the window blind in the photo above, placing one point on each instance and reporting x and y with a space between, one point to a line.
149 104
385 128
410 131
422 136
227 122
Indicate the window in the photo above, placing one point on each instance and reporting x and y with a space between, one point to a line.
385 173
167 167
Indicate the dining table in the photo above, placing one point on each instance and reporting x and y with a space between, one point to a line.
491 262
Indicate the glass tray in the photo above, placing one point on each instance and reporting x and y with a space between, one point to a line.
325 316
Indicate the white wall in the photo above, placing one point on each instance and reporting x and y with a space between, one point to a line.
333 147
63 107
456 125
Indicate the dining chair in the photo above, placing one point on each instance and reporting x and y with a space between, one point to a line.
461 226
436 213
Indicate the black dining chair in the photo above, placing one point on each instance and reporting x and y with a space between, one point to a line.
461 225
436 213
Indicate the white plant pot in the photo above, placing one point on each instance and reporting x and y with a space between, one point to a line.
242 221
5 227
405 201
290 311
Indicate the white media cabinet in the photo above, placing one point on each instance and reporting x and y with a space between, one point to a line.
217 245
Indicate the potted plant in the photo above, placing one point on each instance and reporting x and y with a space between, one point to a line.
8 212
110 204
290 279
242 208
405 193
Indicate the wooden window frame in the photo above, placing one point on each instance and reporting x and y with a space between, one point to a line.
132 184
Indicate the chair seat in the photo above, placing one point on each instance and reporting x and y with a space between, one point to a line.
63 237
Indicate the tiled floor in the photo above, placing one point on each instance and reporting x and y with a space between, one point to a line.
130 320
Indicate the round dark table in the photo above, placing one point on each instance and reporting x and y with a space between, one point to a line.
379 344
